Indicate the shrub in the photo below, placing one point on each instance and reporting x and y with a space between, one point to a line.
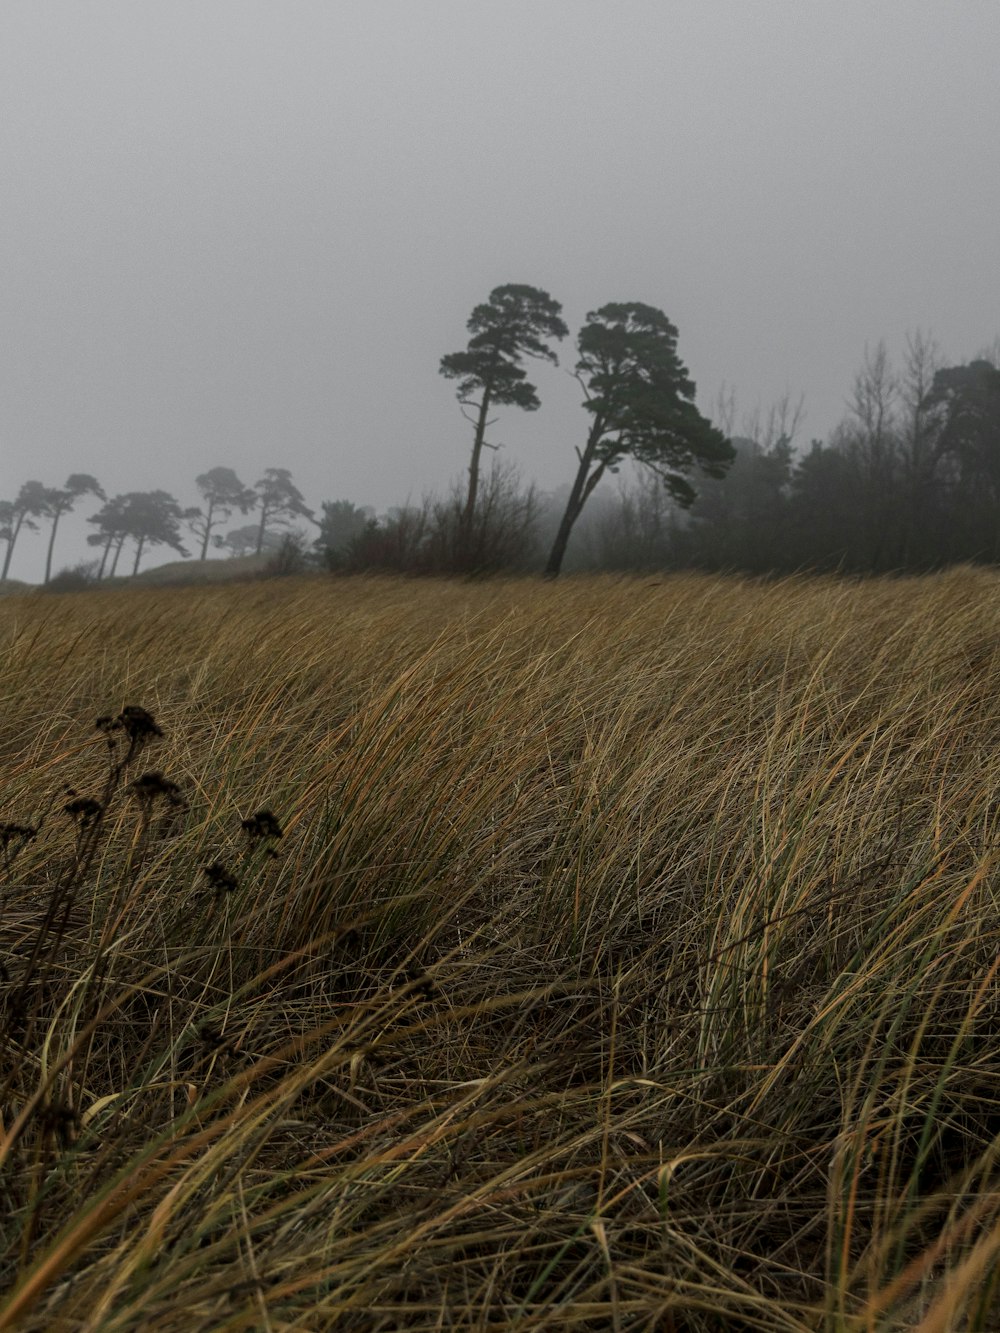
438 538
78 578
290 558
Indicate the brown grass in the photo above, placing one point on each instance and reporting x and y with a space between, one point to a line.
628 961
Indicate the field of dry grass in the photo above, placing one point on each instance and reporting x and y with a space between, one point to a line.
627 960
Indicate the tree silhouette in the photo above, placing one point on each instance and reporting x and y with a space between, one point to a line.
967 400
29 504
641 403
343 522
153 518
222 492
149 518
61 501
515 322
280 501
6 521
112 532
243 541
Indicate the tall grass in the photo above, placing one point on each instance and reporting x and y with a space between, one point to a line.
607 954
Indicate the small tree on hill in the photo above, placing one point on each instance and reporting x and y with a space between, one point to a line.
517 321
641 403
222 492
151 519
61 501
112 532
239 542
29 504
280 501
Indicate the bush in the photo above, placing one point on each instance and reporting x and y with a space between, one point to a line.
343 523
437 538
77 578
501 535
290 558
392 544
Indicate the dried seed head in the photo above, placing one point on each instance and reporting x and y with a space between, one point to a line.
137 723
221 879
22 832
262 825
150 786
84 809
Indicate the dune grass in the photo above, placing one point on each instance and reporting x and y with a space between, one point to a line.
627 958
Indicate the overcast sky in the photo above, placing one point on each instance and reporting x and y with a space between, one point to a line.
244 233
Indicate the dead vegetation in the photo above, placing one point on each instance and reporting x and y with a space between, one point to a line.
611 954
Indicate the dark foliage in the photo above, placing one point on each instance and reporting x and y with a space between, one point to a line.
641 403
517 321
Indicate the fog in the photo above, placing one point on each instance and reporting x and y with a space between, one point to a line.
244 234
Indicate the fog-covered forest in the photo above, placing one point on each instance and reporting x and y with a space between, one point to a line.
908 481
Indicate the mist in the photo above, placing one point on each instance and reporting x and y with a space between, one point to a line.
244 234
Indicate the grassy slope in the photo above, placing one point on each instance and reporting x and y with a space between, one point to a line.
13 587
203 571
177 572
628 960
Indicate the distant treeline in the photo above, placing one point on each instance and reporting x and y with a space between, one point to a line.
909 481
154 518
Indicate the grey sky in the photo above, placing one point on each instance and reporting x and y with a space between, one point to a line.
244 233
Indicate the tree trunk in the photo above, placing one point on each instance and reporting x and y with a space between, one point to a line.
570 514
52 542
208 529
10 547
583 485
138 554
260 530
477 450
104 558
118 551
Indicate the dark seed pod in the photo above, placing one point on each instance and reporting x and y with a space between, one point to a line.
263 824
137 723
151 786
84 809
220 878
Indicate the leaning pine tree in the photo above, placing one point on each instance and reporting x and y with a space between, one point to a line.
516 321
641 403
